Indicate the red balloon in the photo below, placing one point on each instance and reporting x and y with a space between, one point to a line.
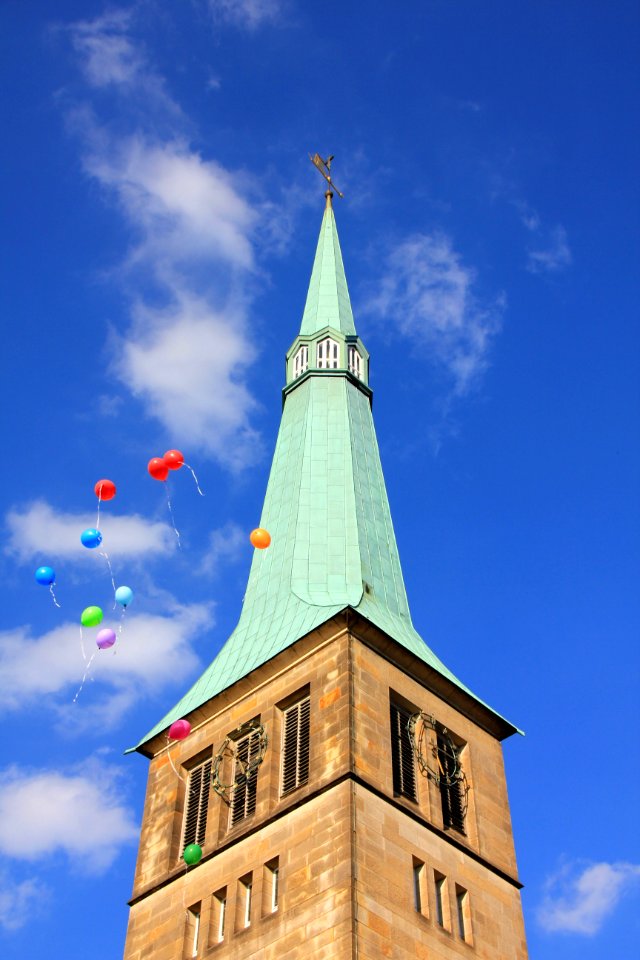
158 468
173 459
179 729
105 489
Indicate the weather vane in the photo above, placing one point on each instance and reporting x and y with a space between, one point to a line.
324 166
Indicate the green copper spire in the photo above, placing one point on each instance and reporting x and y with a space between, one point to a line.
328 303
333 545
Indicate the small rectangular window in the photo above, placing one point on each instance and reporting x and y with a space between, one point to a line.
463 914
218 916
296 721
420 898
243 798
245 893
441 901
402 759
197 804
192 935
270 886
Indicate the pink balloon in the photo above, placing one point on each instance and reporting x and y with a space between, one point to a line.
105 638
179 729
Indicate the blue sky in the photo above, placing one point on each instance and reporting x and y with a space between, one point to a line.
159 221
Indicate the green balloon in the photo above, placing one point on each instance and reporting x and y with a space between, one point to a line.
192 854
91 617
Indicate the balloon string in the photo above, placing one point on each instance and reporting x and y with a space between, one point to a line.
193 474
121 624
104 554
173 766
84 654
85 675
99 502
173 522
53 595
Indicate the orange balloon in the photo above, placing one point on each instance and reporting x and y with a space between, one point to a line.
260 538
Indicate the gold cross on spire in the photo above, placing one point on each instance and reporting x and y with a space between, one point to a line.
324 166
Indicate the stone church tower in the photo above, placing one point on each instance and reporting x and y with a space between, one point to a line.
346 789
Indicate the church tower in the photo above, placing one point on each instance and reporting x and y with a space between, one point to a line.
346 789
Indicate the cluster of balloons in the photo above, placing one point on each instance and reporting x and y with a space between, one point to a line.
159 467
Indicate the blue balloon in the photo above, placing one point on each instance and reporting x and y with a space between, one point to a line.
91 538
45 576
124 596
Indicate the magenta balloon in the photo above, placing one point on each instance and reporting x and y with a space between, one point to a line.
179 729
106 638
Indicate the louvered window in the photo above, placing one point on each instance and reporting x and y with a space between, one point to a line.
243 801
328 354
301 361
452 796
402 759
195 818
295 745
355 362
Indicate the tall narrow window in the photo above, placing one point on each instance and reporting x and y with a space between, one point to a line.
402 759
452 784
295 745
463 915
192 938
197 804
270 886
245 893
218 916
420 898
328 354
243 801
355 362
441 900
301 361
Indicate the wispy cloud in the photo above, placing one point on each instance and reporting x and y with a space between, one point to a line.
190 271
225 546
19 901
247 14
153 653
579 899
43 812
428 292
36 530
552 255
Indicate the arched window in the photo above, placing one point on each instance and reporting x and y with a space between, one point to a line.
301 361
355 362
328 354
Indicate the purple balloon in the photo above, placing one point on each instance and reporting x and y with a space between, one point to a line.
106 638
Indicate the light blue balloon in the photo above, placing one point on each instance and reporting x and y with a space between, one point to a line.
124 596
91 538
45 576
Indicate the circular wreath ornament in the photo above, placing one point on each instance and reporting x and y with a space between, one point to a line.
243 767
435 751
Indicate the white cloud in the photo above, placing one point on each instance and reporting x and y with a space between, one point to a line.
107 54
225 546
555 255
81 813
248 14
186 353
428 292
19 902
186 364
153 652
580 902
36 531
182 205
